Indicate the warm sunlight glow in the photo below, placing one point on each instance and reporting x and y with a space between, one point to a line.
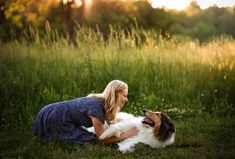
182 4
88 3
170 4
220 3
87 8
76 4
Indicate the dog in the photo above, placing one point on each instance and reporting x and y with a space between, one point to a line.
156 129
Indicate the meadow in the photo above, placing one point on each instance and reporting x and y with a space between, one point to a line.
192 82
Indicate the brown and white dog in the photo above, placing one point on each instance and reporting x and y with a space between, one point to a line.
156 129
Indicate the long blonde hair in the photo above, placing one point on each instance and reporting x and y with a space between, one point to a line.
110 96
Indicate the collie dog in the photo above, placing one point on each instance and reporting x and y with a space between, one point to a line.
156 129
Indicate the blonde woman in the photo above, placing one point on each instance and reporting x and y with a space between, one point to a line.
66 120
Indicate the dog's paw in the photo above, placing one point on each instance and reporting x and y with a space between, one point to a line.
126 149
91 129
111 131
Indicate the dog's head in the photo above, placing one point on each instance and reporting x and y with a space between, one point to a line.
163 127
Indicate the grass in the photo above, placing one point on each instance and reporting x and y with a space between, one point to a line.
193 83
201 137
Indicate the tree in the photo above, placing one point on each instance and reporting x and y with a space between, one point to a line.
203 31
24 12
193 9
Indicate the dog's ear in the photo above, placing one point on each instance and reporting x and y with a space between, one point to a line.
171 127
164 117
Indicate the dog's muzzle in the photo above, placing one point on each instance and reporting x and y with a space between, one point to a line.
148 121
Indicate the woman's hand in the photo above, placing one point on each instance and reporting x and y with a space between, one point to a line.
130 133
111 122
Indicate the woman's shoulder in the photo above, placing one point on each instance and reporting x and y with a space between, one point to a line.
96 101
90 100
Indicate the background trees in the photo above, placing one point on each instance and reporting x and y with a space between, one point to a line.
65 15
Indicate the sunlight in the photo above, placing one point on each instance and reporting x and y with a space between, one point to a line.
179 5
88 3
87 8
75 3
207 3
78 2
182 4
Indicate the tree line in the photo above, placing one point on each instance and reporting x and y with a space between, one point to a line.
17 16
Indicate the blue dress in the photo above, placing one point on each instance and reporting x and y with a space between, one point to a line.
66 120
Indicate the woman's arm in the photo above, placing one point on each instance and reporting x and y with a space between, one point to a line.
99 129
123 136
98 126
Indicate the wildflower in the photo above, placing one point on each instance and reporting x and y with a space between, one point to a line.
225 77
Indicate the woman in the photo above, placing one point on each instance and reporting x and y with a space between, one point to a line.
66 120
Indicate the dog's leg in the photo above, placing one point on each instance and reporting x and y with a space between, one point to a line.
128 144
113 130
117 128
91 129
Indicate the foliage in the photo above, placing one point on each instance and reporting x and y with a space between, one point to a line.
193 22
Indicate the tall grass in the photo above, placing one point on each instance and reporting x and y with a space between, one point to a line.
168 75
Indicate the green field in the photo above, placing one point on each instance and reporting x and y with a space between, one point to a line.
193 83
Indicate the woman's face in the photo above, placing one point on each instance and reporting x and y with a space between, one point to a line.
122 97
